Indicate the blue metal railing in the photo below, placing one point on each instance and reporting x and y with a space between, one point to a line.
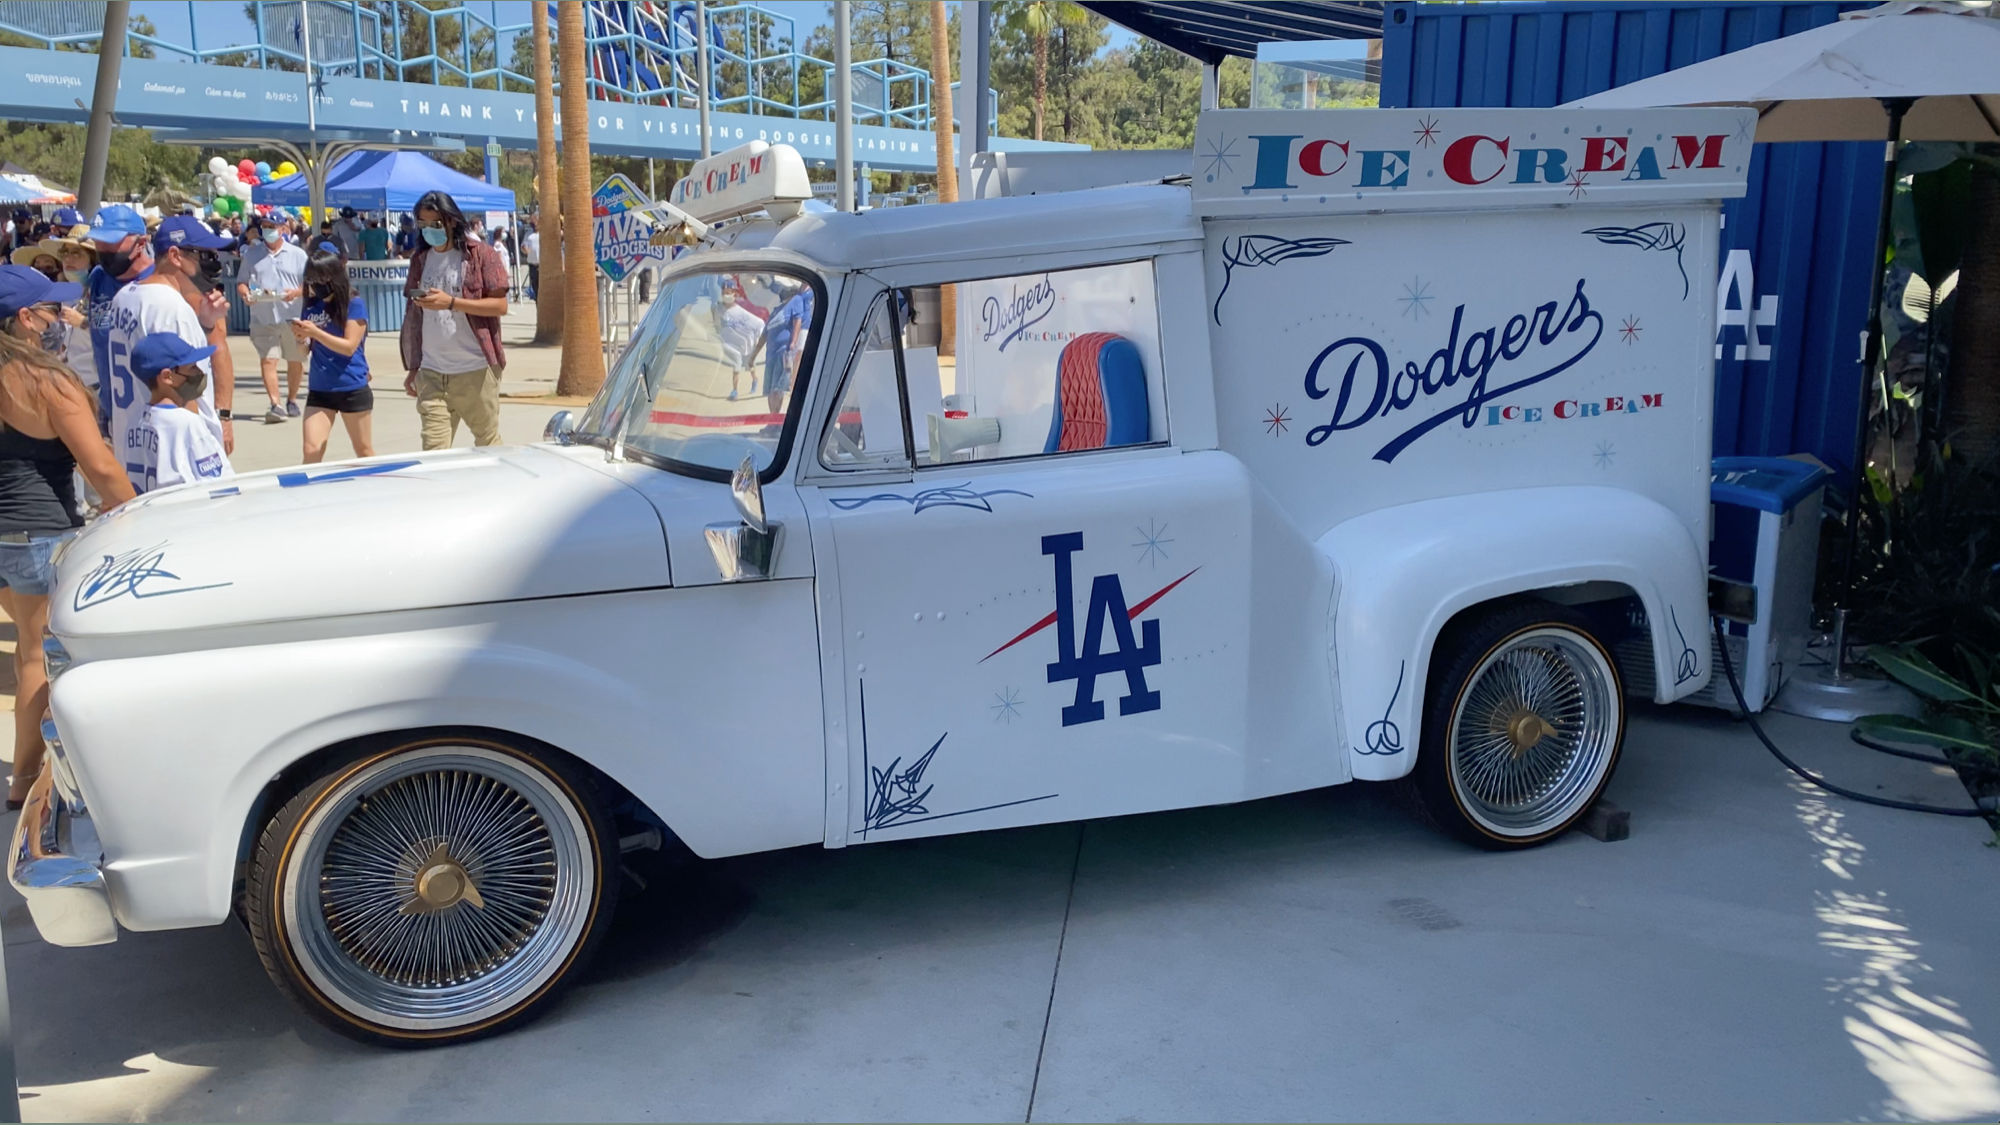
639 51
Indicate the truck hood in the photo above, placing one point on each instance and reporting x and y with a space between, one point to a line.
454 527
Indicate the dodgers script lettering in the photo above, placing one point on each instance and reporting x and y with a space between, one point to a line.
1021 311
1357 371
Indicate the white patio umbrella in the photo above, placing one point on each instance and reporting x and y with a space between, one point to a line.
1922 71
1843 81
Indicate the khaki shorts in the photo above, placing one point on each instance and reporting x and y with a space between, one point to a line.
443 401
275 341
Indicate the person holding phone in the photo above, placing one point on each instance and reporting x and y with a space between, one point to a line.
457 292
334 325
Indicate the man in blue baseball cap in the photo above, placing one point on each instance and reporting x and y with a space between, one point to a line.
179 296
123 257
176 445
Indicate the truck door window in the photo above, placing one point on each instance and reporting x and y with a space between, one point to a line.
1051 362
1059 361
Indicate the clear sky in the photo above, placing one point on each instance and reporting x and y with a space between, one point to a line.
221 23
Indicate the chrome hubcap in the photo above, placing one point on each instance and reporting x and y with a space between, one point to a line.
1534 732
438 887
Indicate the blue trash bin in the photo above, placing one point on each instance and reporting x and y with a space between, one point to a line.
1763 552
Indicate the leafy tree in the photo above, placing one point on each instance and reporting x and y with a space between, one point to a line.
1069 48
134 165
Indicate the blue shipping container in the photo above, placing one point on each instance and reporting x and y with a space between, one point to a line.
1795 249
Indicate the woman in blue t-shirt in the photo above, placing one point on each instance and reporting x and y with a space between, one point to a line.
335 322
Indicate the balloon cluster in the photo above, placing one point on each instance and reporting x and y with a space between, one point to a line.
229 186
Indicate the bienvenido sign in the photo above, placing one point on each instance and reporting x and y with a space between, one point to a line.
1246 160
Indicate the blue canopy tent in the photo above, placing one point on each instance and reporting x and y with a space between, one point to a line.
387 181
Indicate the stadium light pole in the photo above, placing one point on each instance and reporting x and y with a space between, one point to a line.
843 110
97 137
701 69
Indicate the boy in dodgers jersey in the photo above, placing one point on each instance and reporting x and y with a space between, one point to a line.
177 444
183 251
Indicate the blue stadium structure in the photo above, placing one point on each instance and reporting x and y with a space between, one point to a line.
396 71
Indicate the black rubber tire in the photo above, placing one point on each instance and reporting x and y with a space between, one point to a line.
1461 649
277 844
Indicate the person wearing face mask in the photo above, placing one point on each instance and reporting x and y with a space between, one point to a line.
335 325
179 447
123 256
271 283
48 430
457 292
181 296
78 256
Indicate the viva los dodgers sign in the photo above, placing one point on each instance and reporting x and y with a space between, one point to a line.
1349 160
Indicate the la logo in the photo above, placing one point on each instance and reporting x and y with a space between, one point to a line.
1084 665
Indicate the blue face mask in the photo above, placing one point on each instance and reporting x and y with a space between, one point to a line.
436 236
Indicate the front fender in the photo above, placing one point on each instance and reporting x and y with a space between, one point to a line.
704 704
1404 572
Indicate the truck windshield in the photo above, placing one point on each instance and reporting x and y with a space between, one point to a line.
709 375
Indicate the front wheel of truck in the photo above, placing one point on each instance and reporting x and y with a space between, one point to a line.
1523 720
441 890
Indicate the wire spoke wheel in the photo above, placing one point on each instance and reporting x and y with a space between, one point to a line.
1535 731
439 889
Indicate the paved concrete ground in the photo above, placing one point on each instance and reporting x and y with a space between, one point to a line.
1755 951
530 373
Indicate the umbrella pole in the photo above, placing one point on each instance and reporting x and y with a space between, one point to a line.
1871 377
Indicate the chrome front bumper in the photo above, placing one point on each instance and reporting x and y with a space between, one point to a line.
55 862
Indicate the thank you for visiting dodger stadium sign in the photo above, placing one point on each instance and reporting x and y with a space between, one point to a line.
1255 161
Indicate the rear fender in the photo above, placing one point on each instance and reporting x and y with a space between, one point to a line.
1404 572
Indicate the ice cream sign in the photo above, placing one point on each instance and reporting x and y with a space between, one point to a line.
753 177
1248 159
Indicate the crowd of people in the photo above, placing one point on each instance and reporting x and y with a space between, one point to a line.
116 377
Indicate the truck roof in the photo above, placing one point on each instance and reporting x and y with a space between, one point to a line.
1077 220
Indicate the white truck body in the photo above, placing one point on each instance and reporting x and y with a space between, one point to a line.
1395 365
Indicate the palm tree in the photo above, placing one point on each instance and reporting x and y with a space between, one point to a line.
1039 16
548 194
582 360
947 174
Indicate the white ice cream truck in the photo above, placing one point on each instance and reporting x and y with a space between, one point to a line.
1352 455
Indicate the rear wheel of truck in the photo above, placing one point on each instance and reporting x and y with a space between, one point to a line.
438 891
1523 721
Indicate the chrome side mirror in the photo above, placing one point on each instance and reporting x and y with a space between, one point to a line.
744 551
561 428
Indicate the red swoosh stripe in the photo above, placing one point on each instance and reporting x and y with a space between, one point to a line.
1130 614
1029 632
1136 610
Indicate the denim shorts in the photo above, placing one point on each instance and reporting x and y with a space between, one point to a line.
25 567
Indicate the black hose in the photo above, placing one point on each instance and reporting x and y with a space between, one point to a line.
1729 670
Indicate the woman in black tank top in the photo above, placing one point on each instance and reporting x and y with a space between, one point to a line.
48 431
